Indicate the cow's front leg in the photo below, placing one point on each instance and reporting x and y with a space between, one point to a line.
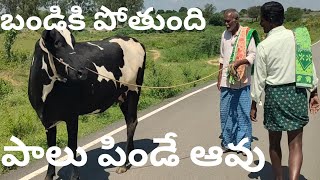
51 141
72 127
129 109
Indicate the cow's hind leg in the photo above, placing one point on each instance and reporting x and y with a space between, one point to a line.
129 108
72 128
51 141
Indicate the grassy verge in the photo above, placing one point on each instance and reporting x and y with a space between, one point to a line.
171 68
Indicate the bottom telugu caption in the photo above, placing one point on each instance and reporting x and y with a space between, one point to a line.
198 155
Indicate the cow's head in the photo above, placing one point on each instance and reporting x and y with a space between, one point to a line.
61 44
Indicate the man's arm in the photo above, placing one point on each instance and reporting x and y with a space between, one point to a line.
221 59
251 55
314 102
259 79
219 76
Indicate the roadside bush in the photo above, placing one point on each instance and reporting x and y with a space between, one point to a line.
10 37
160 76
209 43
22 122
191 73
21 57
5 88
216 19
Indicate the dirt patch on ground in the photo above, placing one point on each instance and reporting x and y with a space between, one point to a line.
214 62
7 76
155 54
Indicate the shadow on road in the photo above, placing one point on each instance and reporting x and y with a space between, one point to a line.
92 169
253 138
267 174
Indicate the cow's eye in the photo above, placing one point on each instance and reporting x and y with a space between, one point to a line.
57 44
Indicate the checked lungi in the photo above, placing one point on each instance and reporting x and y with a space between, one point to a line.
235 106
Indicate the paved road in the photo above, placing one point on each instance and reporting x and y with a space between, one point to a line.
195 119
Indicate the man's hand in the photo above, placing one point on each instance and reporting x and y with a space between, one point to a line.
253 112
219 76
236 64
218 86
314 102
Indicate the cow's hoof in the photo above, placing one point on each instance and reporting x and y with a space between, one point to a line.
121 169
48 177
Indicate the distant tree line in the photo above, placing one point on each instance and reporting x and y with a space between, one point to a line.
291 14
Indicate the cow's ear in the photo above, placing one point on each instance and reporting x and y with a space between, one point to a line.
45 34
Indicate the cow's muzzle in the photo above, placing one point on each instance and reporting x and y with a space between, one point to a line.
82 74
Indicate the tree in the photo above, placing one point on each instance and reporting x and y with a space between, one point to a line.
160 11
64 5
254 12
10 6
293 14
217 19
87 6
1 8
48 3
243 12
208 10
308 11
25 8
134 6
183 9
9 39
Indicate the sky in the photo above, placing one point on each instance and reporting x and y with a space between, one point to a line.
225 4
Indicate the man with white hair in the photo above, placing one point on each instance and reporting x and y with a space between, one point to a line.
238 48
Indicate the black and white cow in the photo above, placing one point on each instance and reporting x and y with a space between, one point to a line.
58 92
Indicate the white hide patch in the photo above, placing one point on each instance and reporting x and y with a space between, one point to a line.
67 36
47 88
95 45
133 56
96 111
104 74
120 98
32 61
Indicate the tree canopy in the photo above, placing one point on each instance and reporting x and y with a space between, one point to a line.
293 14
254 12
